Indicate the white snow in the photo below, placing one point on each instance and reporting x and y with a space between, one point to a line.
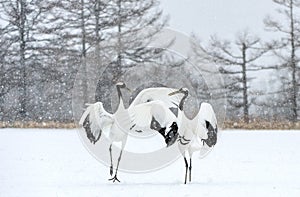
45 162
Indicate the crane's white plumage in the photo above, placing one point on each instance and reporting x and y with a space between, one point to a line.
151 111
204 130
138 117
197 134
116 126
143 113
154 116
163 113
159 93
96 120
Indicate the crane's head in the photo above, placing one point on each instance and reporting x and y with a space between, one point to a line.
122 85
184 91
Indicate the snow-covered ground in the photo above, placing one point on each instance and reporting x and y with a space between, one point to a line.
37 162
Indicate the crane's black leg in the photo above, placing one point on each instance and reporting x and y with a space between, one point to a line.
115 178
186 169
111 162
119 159
190 169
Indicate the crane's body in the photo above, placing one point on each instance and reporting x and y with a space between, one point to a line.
153 110
138 117
197 133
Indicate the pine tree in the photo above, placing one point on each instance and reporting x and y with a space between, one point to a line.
135 24
237 59
286 50
27 54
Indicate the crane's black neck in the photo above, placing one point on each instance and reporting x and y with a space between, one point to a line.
185 95
120 95
119 91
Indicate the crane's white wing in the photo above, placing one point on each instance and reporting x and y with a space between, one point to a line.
143 114
162 113
206 128
207 114
160 93
205 118
95 120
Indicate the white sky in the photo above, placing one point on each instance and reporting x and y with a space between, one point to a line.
222 17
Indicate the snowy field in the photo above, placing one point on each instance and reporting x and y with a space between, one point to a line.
55 163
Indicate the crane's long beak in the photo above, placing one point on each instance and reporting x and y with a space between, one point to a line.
173 93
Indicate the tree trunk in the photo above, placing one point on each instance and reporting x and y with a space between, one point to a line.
97 27
293 67
118 70
23 95
83 54
245 88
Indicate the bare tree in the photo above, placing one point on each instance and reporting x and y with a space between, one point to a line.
28 54
287 47
20 17
44 43
237 59
83 25
135 24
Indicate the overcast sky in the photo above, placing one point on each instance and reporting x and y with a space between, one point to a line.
222 17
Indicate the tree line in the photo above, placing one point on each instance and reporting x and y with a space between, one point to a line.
44 43
242 59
